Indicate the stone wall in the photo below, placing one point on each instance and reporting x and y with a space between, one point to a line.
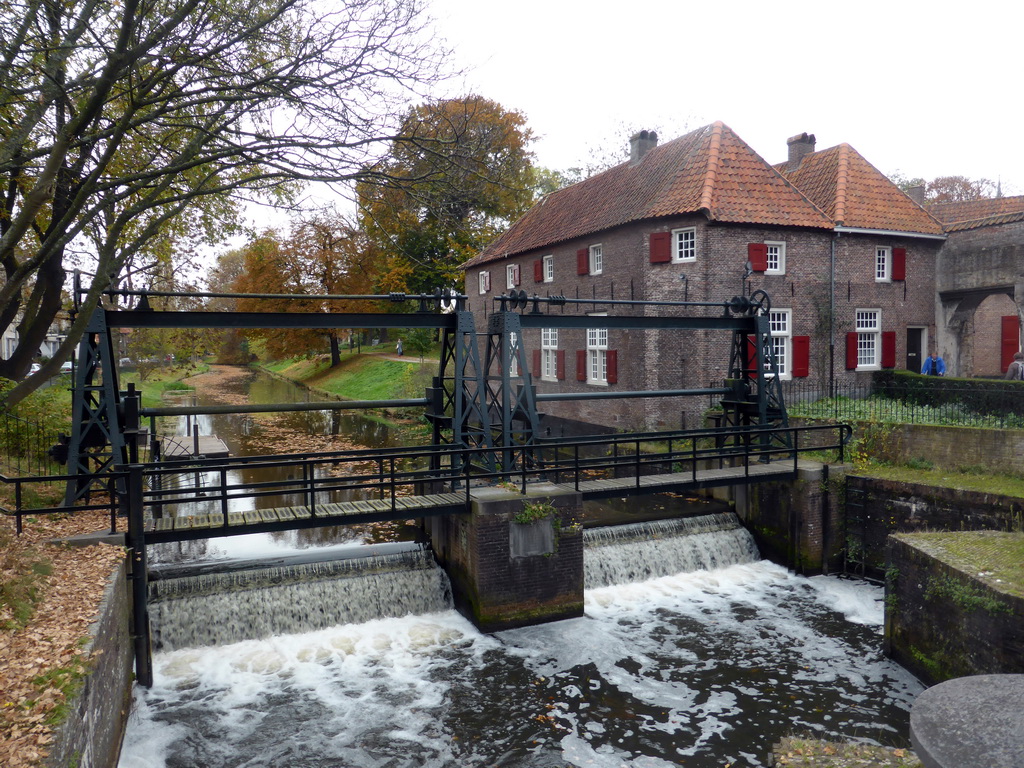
876 507
91 736
941 622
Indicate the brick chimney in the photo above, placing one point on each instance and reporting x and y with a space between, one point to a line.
799 146
641 143
916 193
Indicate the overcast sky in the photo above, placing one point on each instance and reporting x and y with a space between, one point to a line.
926 89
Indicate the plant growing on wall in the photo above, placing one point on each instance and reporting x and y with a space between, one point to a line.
533 511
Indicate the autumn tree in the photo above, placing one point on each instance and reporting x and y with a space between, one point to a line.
323 255
127 128
439 197
947 189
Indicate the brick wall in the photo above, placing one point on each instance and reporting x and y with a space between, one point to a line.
660 360
498 587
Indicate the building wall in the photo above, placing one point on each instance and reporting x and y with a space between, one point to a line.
666 360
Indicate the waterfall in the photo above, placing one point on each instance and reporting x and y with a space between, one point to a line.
641 551
222 608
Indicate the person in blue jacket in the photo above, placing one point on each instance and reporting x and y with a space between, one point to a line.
934 366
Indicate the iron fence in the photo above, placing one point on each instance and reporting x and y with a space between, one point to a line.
25 446
912 400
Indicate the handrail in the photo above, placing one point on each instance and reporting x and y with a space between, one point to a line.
645 453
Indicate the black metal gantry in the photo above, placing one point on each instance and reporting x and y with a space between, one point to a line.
484 404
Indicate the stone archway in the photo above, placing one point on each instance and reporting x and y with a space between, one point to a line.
970 336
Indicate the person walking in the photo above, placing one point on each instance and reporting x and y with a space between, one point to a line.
934 365
398 348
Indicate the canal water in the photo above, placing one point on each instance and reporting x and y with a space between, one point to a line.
692 651
707 668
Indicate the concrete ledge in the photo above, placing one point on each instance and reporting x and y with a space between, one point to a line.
970 722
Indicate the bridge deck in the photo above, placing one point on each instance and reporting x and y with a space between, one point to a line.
406 507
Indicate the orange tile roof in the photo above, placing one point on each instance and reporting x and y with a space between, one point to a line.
710 171
856 194
971 214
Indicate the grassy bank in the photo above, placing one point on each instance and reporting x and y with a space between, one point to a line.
360 377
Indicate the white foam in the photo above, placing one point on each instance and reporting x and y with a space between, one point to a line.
858 601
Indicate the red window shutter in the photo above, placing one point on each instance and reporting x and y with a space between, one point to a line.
581 365
801 356
757 253
888 349
899 263
1009 340
538 271
751 356
559 364
536 363
661 247
612 359
851 350
583 261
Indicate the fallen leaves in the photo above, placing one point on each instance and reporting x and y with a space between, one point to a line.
39 661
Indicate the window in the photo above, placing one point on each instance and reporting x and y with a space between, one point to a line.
597 356
883 264
511 276
869 325
779 324
485 282
549 269
596 259
684 245
549 353
776 254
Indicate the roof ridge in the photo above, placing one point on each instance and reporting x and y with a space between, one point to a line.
842 177
711 174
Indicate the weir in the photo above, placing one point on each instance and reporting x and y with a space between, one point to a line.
641 551
235 603
697 669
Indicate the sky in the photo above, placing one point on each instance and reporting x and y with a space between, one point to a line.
922 89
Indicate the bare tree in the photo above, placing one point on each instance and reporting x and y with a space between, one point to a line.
129 126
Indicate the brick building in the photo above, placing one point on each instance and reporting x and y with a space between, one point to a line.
980 283
846 257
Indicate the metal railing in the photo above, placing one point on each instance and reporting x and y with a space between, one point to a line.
315 480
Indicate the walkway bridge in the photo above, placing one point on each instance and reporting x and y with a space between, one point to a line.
486 431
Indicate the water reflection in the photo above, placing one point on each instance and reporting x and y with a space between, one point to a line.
264 434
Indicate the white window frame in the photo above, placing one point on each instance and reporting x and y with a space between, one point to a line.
548 263
776 257
780 323
596 256
597 354
549 354
684 245
868 323
484 281
883 264
511 274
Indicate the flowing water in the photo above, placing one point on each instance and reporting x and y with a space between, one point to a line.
701 668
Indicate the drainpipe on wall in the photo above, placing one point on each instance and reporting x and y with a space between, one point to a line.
832 317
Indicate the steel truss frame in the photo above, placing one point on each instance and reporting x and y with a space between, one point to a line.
471 403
